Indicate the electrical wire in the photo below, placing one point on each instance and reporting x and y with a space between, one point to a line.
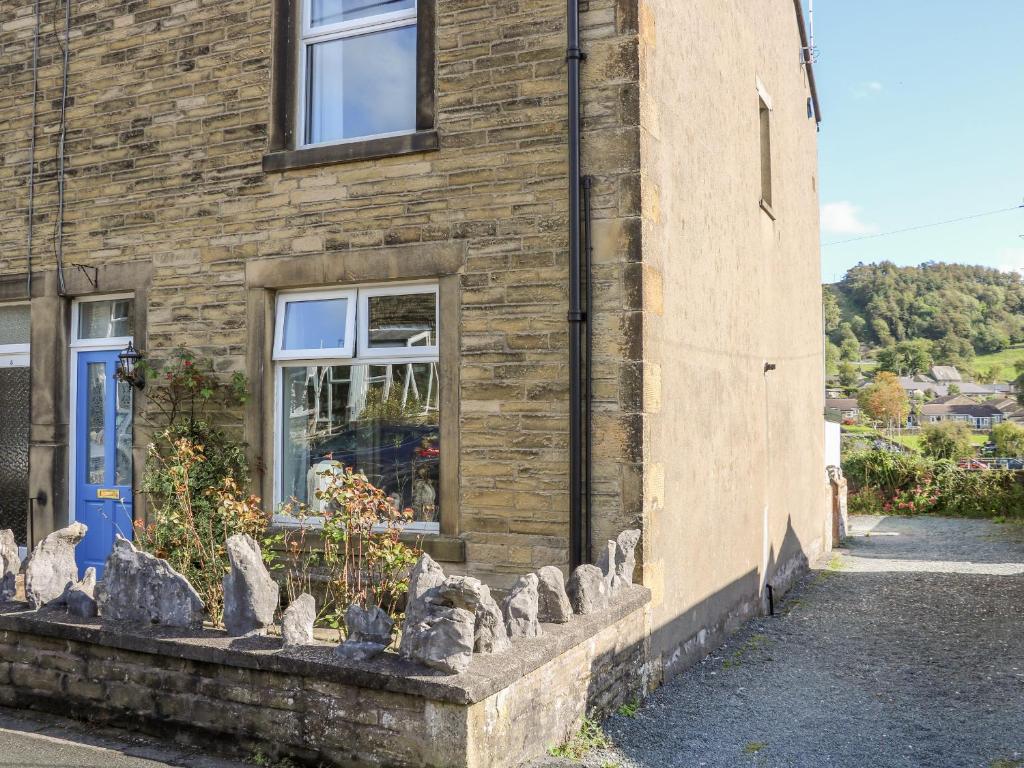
32 154
923 226
58 240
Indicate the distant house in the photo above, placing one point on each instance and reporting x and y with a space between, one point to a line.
1009 407
983 390
946 374
960 408
846 407
922 386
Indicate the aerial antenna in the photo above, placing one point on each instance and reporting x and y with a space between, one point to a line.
810 22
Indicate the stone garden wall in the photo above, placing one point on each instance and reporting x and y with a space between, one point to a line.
244 695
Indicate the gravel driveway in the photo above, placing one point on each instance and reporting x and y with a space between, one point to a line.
907 651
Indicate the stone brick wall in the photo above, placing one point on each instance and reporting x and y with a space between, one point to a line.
241 697
167 121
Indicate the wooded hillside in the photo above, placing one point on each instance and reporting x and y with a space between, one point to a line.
951 311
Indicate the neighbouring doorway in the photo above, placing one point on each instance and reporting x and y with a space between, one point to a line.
15 419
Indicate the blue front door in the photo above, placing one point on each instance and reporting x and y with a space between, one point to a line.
103 465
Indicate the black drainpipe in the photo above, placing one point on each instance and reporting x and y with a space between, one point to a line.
574 56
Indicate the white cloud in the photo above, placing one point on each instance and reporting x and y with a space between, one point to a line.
869 88
1011 259
843 218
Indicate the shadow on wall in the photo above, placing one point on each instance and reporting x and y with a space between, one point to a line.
696 632
700 629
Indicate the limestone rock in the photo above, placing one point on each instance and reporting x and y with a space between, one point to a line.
618 562
10 565
553 602
368 625
80 597
251 596
51 566
625 555
489 632
297 623
521 607
436 632
588 590
461 592
442 640
358 651
138 588
425 576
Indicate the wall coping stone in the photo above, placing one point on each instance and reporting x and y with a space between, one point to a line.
487 675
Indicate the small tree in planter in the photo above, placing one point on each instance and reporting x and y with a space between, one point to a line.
352 539
196 474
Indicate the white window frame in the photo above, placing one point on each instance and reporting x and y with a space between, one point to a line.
310 35
119 342
365 294
16 355
346 351
355 356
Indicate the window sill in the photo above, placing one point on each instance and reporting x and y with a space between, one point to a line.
352 151
766 207
442 548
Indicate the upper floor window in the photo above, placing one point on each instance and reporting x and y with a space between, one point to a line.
357 70
764 113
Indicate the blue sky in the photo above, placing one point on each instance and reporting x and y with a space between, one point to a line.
923 107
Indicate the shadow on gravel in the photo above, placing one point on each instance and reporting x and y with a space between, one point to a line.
887 670
937 539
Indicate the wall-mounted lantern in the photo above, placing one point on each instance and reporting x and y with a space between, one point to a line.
128 369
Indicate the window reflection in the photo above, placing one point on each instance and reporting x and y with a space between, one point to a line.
381 420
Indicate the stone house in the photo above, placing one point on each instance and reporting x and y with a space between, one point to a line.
961 408
380 205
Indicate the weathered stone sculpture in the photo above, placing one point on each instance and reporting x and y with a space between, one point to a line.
619 561
251 596
553 604
297 623
10 565
138 588
520 608
368 625
588 590
435 631
489 633
80 597
51 566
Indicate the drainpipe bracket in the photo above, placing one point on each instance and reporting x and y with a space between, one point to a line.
576 54
576 317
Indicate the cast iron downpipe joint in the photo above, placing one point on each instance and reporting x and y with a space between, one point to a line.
577 317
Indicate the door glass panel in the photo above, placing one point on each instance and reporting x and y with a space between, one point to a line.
123 428
14 328
109 319
95 403
15 387
408 320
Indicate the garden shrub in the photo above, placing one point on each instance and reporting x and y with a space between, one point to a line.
882 482
347 547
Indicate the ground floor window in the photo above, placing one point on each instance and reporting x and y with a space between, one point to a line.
357 383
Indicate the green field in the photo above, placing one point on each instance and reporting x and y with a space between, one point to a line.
913 442
1005 360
